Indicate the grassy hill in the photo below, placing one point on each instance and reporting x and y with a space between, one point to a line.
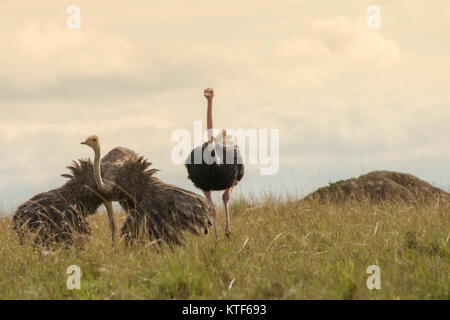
278 250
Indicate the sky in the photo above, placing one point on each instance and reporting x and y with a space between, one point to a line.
346 99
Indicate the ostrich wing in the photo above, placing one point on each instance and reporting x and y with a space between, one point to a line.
58 214
157 210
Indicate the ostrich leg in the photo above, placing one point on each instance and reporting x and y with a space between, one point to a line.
109 210
208 196
226 198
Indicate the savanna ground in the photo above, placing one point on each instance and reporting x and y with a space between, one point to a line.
278 250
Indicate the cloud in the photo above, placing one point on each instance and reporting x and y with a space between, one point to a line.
345 98
37 56
43 56
12 131
327 48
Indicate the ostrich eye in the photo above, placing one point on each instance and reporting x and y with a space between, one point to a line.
95 140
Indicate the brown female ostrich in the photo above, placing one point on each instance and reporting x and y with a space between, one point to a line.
222 171
94 143
155 210
60 214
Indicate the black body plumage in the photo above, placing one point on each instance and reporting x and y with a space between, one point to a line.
216 166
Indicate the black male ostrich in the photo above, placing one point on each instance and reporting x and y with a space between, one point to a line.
215 166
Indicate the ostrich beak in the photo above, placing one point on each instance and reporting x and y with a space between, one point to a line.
83 142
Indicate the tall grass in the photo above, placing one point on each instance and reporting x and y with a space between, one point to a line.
278 250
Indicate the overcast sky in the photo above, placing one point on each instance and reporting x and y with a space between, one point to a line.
347 100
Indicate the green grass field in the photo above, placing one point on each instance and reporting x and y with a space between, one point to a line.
278 250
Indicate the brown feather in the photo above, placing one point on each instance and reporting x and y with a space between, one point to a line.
57 215
158 211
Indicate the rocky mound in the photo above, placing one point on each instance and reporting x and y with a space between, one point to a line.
380 186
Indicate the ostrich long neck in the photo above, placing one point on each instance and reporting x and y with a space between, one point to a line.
97 170
210 122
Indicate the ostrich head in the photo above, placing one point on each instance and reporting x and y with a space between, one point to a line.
209 93
93 142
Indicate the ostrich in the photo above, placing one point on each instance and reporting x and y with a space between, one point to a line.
94 143
216 175
58 215
156 210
